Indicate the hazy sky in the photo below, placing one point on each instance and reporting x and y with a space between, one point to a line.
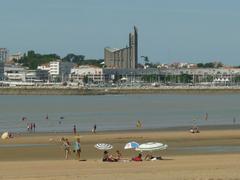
169 30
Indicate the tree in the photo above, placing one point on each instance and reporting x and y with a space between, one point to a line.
73 58
145 59
80 60
210 65
32 60
200 65
185 78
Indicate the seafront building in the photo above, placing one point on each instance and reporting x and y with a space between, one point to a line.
59 70
3 59
125 58
3 54
16 56
201 76
84 74
14 73
44 67
1 71
36 76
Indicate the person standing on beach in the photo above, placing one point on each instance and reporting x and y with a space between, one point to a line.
74 130
66 146
34 127
31 127
77 148
94 128
28 127
138 124
234 120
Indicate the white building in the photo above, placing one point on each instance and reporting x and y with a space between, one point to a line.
3 59
14 73
3 54
44 67
16 56
60 69
36 75
92 73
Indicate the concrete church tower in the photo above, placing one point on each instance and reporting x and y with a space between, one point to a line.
125 58
133 45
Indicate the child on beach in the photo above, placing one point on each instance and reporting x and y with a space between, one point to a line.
107 157
118 156
66 146
77 148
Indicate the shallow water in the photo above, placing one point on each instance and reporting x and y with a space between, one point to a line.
23 145
113 112
179 150
209 149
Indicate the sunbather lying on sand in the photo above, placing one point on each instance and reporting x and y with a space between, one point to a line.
108 158
150 157
137 158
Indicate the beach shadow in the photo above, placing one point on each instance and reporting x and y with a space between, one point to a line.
166 159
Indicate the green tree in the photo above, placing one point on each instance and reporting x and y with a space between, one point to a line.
32 59
145 59
200 65
185 78
73 58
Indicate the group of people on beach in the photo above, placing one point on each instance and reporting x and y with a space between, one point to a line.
94 129
31 127
107 157
194 129
118 157
67 147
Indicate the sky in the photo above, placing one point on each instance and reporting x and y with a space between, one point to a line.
169 30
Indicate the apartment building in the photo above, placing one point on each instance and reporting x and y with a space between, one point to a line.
92 73
60 70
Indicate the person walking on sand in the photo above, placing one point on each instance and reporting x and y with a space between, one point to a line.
66 146
74 130
77 148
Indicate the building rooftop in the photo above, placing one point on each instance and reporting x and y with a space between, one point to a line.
112 49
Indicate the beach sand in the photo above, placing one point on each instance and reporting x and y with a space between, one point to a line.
45 158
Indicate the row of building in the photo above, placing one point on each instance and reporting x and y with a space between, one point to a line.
55 71
119 64
58 71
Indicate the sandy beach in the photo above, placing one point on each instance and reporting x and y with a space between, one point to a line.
41 156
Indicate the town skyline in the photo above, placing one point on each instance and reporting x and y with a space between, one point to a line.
168 31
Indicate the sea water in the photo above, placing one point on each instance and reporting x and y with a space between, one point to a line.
116 112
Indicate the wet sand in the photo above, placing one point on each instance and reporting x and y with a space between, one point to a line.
41 156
